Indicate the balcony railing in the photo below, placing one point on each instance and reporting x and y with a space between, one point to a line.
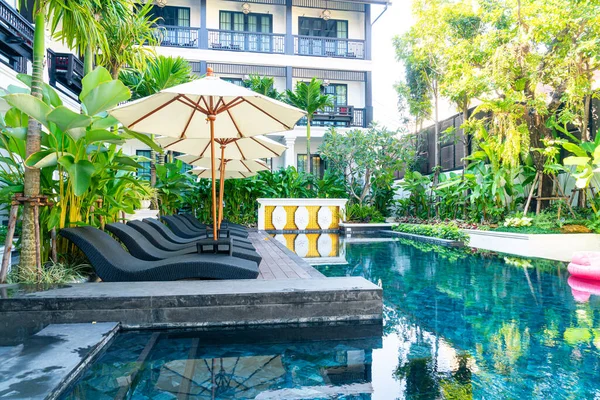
329 47
20 29
341 116
246 41
66 69
177 36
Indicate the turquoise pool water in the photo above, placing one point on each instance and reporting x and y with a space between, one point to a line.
456 326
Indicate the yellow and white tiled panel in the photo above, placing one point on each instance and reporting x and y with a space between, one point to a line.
328 245
335 217
269 218
313 217
291 218
311 245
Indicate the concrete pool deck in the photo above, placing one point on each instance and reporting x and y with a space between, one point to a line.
288 290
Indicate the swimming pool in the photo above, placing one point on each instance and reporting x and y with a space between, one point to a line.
455 326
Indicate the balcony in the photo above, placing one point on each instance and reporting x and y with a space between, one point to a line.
16 38
178 36
339 116
329 47
246 41
66 69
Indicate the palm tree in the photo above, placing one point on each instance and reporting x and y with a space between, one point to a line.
54 11
159 73
262 85
130 38
308 97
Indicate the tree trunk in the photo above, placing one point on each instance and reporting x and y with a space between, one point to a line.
437 129
585 129
466 137
308 163
88 60
538 131
32 175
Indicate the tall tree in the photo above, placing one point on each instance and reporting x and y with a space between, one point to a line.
423 47
263 85
308 97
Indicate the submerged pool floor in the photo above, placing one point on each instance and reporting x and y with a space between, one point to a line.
456 326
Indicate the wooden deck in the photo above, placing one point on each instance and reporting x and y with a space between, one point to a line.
278 261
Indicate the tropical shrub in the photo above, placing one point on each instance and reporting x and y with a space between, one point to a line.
447 231
363 214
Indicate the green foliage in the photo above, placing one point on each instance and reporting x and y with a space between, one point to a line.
363 214
79 161
158 73
263 85
367 160
416 204
447 231
172 187
3 231
52 273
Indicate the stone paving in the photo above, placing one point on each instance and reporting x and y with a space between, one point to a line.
278 261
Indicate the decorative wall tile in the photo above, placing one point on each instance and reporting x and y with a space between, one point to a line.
301 218
279 218
324 218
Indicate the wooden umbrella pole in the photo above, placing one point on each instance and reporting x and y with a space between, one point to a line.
213 172
12 222
221 184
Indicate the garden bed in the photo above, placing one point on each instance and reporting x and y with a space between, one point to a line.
427 239
560 246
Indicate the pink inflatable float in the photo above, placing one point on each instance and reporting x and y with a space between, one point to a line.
582 289
586 265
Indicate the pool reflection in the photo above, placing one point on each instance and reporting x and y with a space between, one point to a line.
467 326
315 248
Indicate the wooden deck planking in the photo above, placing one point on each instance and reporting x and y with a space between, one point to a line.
279 262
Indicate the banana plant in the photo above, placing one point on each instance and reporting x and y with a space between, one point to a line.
79 152
586 160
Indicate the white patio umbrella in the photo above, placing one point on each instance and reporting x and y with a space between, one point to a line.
208 108
235 149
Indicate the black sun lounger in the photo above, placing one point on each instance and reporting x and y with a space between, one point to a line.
194 223
175 238
113 264
180 229
155 237
142 248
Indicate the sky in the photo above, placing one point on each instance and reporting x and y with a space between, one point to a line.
386 70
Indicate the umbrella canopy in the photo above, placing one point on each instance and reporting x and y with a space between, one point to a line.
208 108
229 165
239 149
205 173
181 111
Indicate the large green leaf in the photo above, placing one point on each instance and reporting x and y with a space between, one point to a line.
104 123
127 161
105 96
102 135
30 105
41 159
93 79
576 160
77 133
147 140
573 148
17 133
15 118
50 95
80 173
67 119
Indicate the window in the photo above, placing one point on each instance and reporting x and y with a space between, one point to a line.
338 92
269 162
314 28
235 81
171 16
256 28
144 172
318 165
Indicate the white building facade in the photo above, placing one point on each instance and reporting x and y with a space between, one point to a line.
289 40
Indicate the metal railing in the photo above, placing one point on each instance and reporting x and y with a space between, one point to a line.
66 69
329 47
177 36
15 23
246 41
340 116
